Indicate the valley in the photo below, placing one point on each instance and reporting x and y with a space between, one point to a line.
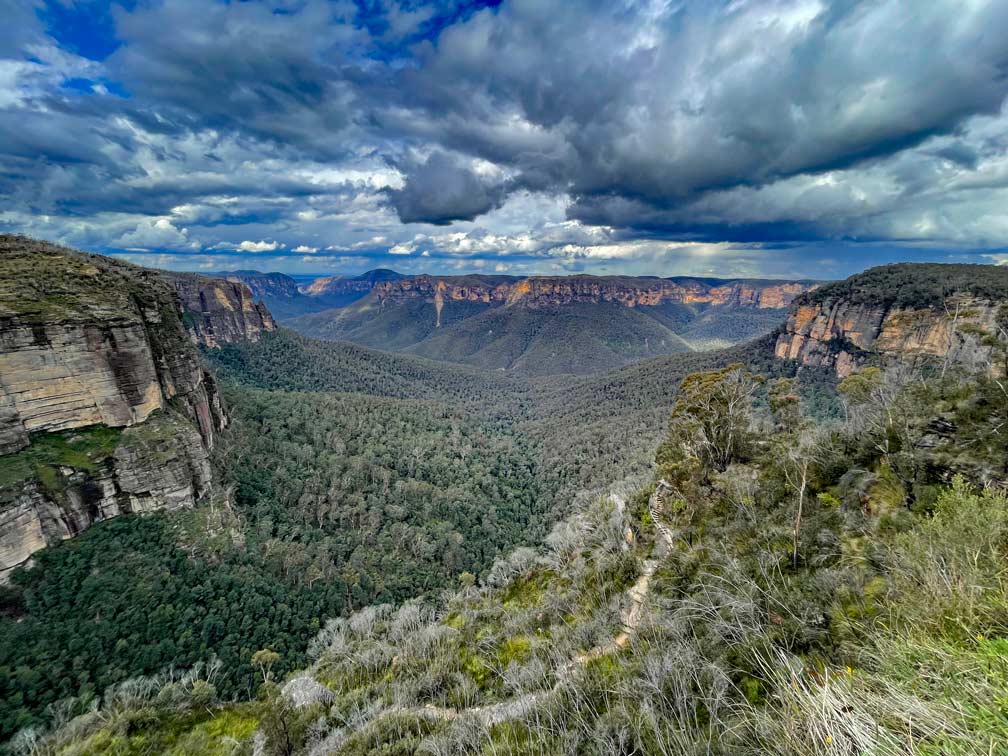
554 326
415 549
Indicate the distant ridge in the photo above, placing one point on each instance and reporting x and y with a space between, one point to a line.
549 325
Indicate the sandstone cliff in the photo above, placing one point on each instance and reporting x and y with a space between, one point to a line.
52 490
263 284
561 290
89 346
339 285
906 311
218 311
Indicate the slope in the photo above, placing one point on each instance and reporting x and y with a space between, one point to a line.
553 326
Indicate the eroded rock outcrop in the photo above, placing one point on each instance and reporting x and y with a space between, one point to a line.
906 311
561 290
91 346
161 464
220 311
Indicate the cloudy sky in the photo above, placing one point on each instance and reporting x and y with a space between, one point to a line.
784 138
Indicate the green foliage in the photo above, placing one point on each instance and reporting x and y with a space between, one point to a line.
123 599
385 499
914 285
82 449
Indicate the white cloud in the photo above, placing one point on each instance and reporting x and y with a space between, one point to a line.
157 234
259 246
403 248
306 249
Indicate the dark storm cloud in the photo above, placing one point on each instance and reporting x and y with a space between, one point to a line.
708 98
442 189
756 121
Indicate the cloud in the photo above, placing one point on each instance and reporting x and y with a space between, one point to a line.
259 246
583 133
445 188
157 234
403 248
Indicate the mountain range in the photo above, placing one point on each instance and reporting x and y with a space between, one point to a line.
544 325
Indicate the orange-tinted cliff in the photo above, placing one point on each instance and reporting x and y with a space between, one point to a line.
915 311
560 290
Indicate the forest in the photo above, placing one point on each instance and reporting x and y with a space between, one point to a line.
453 556
782 583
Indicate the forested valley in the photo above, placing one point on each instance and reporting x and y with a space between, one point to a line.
356 477
715 552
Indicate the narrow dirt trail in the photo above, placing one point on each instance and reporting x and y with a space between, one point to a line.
518 706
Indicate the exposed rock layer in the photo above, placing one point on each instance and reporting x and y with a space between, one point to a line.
160 464
841 335
89 341
628 291
220 311
263 284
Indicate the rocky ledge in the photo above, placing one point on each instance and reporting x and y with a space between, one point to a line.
956 313
91 346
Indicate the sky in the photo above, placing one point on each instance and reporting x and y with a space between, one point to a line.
776 138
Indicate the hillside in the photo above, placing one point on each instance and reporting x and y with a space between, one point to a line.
286 299
499 553
553 326
781 587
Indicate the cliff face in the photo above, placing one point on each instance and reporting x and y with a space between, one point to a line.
263 284
219 311
628 291
160 464
841 334
88 346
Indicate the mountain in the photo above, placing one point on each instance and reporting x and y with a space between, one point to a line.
550 326
349 285
287 299
765 581
908 312
105 407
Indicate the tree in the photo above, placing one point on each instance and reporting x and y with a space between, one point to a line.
710 419
800 451
265 658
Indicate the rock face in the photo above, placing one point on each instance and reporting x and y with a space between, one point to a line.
263 284
841 326
561 290
90 343
220 311
339 285
161 464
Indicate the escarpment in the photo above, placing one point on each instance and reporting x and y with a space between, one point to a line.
219 311
955 313
564 290
105 407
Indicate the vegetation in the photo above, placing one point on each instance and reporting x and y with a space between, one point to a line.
788 586
700 553
384 498
83 449
915 285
